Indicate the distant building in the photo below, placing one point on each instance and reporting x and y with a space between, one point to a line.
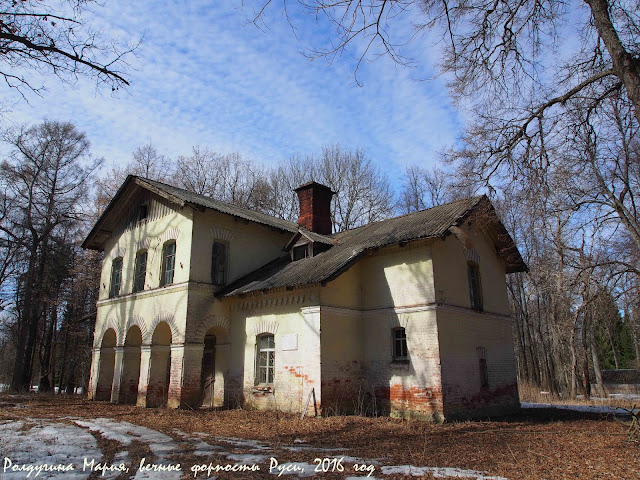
625 382
206 303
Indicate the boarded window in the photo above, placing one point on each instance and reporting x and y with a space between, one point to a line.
219 263
484 371
140 271
116 277
168 263
399 344
265 359
475 288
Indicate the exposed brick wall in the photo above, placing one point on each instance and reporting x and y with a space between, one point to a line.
315 207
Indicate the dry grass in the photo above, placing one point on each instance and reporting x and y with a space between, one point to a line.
532 393
546 444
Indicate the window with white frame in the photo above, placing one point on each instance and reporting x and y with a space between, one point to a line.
140 271
168 263
265 359
116 277
399 344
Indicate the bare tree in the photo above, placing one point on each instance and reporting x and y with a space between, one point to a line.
55 38
45 180
424 188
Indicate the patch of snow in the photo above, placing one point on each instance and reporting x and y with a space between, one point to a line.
602 409
47 445
437 472
246 459
160 444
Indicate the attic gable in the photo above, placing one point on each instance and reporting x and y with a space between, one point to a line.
134 202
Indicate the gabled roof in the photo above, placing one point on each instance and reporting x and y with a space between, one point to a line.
351 245
109 220
309 235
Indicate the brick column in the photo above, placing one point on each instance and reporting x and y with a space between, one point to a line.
117 374
186 365
145 363
93 379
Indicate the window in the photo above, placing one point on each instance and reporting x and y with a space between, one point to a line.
265 359
475 289
140 272
399 344
143 210
168 263
300 252
219 263
484 371
116 277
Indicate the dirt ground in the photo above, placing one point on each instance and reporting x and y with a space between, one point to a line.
536 444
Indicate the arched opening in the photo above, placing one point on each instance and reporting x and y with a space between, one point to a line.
214 367
208 374
131 366
160 368
107 364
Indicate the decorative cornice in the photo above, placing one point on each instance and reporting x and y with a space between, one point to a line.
472 255
143 244
117 252
265 326
169 234
218 233
248 305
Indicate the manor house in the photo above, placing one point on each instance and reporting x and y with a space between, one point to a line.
203 303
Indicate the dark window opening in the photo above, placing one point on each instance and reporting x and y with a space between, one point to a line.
168 263
482 364
399 344
140 271
116 277
219 264
143 210
475 288
300 252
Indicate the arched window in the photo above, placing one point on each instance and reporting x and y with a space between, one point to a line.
116 277
265 359
475 287
140 271
168 263
219 263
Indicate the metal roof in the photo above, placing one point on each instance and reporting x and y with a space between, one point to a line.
349 246
179 196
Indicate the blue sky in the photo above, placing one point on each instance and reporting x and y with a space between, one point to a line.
205 76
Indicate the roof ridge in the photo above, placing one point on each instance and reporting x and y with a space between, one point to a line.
209 199
475 199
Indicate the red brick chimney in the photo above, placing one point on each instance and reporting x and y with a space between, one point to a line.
315 207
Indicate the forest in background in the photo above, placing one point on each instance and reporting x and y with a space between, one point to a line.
576 309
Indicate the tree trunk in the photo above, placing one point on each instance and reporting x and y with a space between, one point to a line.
627 67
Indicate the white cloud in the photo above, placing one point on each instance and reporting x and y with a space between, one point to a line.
203 76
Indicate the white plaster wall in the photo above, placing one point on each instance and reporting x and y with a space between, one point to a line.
451 278
251 245
397 276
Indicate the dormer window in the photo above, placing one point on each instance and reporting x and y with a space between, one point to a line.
300 252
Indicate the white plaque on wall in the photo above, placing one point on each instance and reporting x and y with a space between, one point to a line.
290 342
